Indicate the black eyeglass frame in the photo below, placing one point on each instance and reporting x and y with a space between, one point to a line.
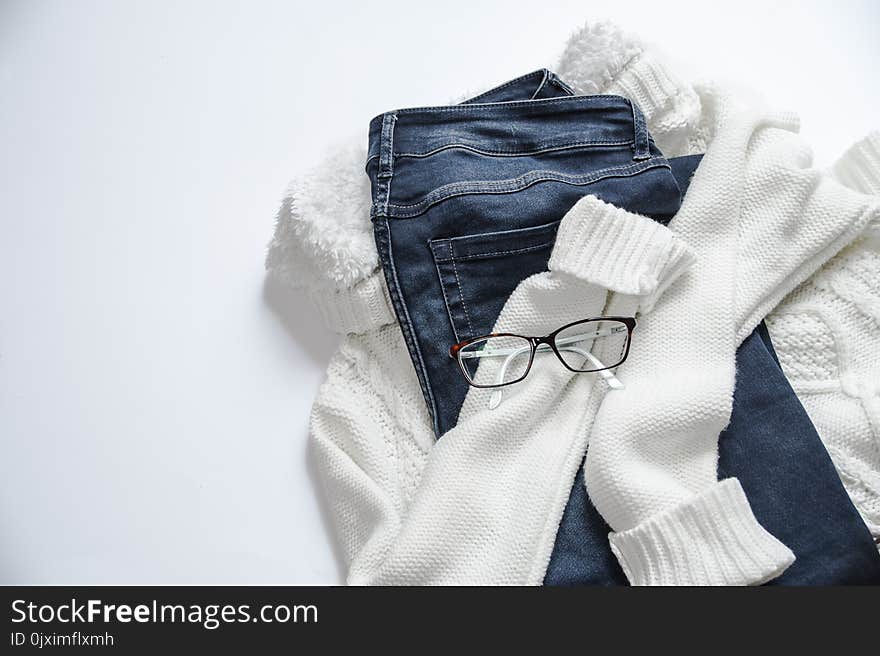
549 340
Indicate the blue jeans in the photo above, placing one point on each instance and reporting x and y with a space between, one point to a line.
466 202
476 191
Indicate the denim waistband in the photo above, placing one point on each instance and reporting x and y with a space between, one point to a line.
507 128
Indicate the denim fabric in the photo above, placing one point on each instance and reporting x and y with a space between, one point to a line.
467 199
466 205
789 478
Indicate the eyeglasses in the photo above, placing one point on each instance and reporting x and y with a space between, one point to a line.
590 345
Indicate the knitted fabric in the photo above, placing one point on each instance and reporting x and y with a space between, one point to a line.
651 465
827 337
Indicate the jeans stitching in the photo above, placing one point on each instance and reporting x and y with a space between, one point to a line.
514 153
541 86
512 184
471 256
406 324
514 104
386 168
556 81
520 183
529 231
437 263
640 138
461 292
521 78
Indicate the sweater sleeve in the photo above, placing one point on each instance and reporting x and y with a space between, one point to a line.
490 493
602 245
781 244
651 468
859 167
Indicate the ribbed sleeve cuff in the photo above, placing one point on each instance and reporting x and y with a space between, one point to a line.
666 102
365 306
621 251
859 167
713 539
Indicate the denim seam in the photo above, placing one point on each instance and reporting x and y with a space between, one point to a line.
407 328
510 184
541 86
386 147
387 196
445 297
514 185
556 81
461 292
586 100
553 226
513 153
386 160
514 251
503 86
641 145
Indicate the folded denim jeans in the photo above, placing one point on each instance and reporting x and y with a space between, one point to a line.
466 202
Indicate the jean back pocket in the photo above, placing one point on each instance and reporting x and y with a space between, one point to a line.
479 272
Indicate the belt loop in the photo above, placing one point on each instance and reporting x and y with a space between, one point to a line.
386 146
641 147
386 166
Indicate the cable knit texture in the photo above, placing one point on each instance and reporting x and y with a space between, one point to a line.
827 337
482 505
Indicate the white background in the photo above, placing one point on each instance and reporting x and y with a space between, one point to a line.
154 389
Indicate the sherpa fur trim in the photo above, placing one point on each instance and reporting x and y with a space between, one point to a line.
595 55
323 235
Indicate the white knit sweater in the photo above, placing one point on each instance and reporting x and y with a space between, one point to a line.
483 504
827 337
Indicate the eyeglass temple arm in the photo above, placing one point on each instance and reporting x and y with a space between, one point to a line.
498 394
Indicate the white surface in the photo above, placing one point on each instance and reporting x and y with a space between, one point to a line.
154 391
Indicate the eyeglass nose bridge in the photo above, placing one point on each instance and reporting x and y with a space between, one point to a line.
537 341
